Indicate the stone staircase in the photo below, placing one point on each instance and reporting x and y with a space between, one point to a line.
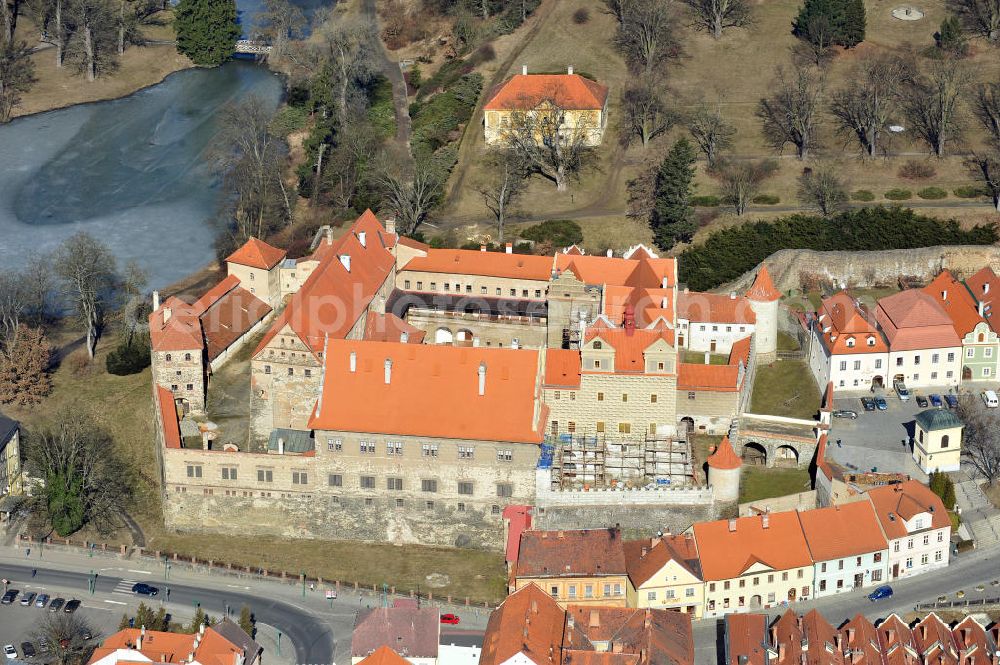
978 513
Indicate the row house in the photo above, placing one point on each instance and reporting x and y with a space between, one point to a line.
846 347
916 526
847 546
980 343
924 350
664 573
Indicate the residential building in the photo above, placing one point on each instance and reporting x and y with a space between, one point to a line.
384 656
525 629
984 287
846 347
916 526
924 349
11 480
937 440
980 343
665 573
710 395
750 563
712 322
412 632
580 104
581 566
847 546
896 640
859 642
223 643
745 641
256 265
975 645
934 641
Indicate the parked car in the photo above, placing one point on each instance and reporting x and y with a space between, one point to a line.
921 401
951 401
28 598
8 597
10 651
845 413
936 401
881 404
901 390
884 591
990 398
451 619
143 589
42 600
27 649
57 604
868 403
71 606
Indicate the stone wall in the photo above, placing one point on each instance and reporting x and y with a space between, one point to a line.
488 330
800 501
635 521
605 403
176 370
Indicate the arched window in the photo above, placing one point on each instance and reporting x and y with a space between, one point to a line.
982 337
167 358
944 441
597 345
187 357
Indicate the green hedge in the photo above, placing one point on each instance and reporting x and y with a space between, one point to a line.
897 194
729 253
705 201
766 199
970 191
932 193
125 360
560 232
863 195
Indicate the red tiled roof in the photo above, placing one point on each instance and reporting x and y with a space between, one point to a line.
390 328
956 301
571 553
433 391
896 639
724 456
490 264
845 319
822 640
860 639
763 288
230 317
629 348
727 554
384 656
902 502
787 632
934 641
168 410
527 91
746 635
562 368
984 286
716 378
528 622
841 531
714 308
175 327
257 254
647 304
649 637
645 558
413 632
639 272
519 521
973 643
913 320
163 647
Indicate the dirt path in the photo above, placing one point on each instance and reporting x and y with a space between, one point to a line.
391 70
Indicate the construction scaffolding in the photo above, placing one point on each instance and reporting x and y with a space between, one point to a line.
593 461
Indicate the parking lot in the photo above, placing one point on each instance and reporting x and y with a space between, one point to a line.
19 624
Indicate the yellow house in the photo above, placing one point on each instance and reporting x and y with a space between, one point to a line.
937 440
665 574
579 567
11 481
581 104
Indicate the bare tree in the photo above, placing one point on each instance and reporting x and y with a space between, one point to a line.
710 131
931 102
86 269
864 107
132 16
741 181
792 113
815 45
411 197
93 38
547 143
70 637
987 109
980 16
279 23
714 16
8 20
647 34
40 285
821 189
13 303
132 312
645 111
348 57
617 9
503 185
350 162
980 444
986 167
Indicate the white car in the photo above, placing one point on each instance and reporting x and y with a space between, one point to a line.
10 651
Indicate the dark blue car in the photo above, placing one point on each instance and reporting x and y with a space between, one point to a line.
141 589
881 592
936 401
952 401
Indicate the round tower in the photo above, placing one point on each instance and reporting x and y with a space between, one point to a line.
724 472
764 297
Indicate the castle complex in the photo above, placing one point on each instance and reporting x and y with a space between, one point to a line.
400 392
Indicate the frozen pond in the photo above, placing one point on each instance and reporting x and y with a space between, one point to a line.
129 171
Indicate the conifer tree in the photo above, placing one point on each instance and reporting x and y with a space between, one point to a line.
673 218
206 30
846 20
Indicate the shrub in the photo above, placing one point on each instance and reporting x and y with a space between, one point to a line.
559 232
932 193
381 107
288 120
897 194
862 195
915 170
485 53
970 191
434 120
766 199
581 16
128 359
705 201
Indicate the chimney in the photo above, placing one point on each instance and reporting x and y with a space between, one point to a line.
732 525
482 385
981 306
404 337
138 642
388 370
166 314
363 238
509 248
190 657
524 70
156 302
346 260
595 619
665 283
281 446
329 235
765 520
732 295
569 70
482 247
570 621
354 362
390 225
708 357
610 253
850 635
944 294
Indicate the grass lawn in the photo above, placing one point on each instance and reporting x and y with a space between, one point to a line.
785 388
698 358
787 343
762 483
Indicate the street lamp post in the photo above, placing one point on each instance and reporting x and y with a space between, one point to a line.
303 584
279 642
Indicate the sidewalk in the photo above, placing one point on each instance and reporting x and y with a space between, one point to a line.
978 514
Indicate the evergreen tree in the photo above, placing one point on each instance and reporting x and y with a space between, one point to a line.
197 620
948 498
247 621
206 30
673 218
846 20
951 36
853 25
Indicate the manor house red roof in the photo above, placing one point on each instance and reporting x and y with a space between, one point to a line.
257 254
567 91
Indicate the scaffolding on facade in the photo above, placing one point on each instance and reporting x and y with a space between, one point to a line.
599 461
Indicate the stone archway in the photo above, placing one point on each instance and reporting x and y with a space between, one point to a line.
754 453
786 455
687 423
464 337
878 382
443 336
755 602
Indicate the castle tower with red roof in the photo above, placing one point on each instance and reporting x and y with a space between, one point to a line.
764 298
724 468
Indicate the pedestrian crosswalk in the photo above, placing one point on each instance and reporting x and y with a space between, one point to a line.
124 587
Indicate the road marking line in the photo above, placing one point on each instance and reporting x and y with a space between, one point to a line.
237 586
144 572
115 602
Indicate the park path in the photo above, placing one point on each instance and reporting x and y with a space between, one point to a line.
392 71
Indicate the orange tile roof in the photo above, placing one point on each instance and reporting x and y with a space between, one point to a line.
228 318
168 410
896 639
413 632
740 351
488 264
526 91
562 368
635 272
727 554
913 320
650 637
384 656
905 500
257 254
934 641
645 558
746 636
716 378
332 299
787 638
860 641
842 531
724 456
571 553
714 308
629 348
822 639
842 319
390 328
433 391
646 304
528 622
763 288
973 643
956 301
984 286
163 647
180 331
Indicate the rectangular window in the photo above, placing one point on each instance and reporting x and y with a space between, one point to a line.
300 478
691 395
505 455
857 365
588 591
308 372
600 427
923 559
505 490
878 363
393 448
482 290
265 476
461 507
429 450
465 487
400 503
987 371
429 505
554 427
335 445
624 397
267 369
291 371
335 480
229 473
951 357
600 397
652 399
670 594
624 428
899 362
572 587
822 585
937 555
498 291
970 352
428 485
367 447
650 595
394 484
369 502
916 360
689 592
988 352
843 365
876 575
434 286
466 452
194 471
935 357
367 482
406 284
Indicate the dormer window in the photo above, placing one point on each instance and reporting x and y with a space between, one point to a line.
597 345
871 341
850 341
